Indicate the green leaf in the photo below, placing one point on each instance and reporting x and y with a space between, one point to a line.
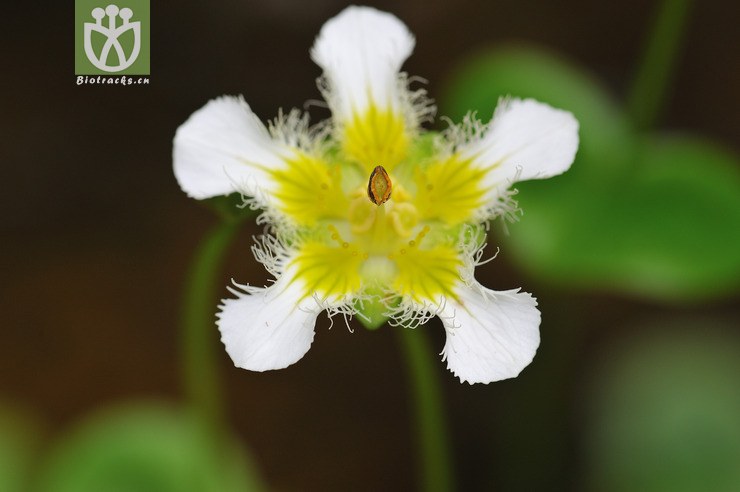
681 221
671 234
662 414
606 139
145 448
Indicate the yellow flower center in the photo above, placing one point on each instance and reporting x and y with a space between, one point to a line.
400 244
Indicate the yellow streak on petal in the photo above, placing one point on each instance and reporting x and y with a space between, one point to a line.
425 274
309 189
328 271
376 138
450 191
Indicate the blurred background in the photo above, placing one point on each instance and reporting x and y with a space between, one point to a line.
634 257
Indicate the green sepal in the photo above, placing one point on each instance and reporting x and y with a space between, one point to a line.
372 311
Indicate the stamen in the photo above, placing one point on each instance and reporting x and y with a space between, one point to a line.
404 218
362 215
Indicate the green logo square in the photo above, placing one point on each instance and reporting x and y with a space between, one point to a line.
112 38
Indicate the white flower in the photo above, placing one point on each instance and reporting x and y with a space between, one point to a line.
409 249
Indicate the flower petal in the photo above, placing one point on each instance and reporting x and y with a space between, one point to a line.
491 335
268 328
525 140
361 51
224 148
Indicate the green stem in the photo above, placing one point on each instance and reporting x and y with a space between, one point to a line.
436 467
199 334
650 85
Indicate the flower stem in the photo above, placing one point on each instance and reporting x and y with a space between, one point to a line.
435 472
199 335
649 87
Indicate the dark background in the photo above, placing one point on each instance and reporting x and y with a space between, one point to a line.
97 236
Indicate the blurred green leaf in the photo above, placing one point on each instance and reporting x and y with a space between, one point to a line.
19 440
673 233
679 223
606 139
657 217
663 411
145 448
